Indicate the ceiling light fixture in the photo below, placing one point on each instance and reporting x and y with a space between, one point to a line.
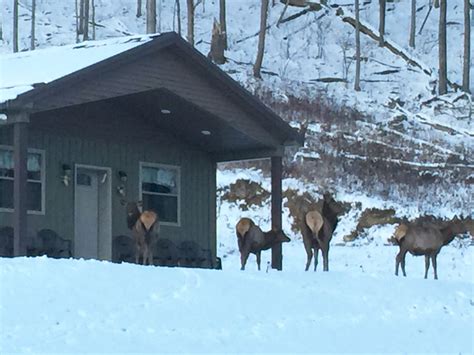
165 111
206 133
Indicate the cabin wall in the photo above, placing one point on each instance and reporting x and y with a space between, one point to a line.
119 149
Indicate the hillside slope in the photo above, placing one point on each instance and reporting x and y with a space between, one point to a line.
395 139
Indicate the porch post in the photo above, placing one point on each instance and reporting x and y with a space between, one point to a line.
277 255
20 122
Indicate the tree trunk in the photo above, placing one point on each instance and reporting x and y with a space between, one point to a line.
222 21
190 4
77 20
150 16
382 6
216 53
139 8
467 47
33 24
1 29
412 24
158 13
357 74
178 15
81 17
261 39
93 19
86 20
443 74
15 26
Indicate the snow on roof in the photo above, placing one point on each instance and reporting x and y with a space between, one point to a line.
20 72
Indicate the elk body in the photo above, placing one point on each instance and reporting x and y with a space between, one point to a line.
424 239
251 239
317 230
145 229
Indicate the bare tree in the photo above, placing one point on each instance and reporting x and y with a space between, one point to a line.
216 54
93 19
76 8
178 16
190 4
467 47
443 73
412 24
1 29
86 20
223 22
261 39
150 16
81 17
139 8
382 7
15 26
33 24
357 39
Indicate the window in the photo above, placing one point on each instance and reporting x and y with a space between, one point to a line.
160 191
35 180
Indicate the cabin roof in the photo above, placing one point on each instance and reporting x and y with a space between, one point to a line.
40 79
25 71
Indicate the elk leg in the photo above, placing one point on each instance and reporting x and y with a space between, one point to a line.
325 252
400 259
427 265
403 262
309 252
137 254
435 266
316 252
258 259
243 258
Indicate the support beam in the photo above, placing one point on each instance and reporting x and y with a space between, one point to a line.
20 122
277 170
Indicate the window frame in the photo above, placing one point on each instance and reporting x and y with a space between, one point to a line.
42 153
177 168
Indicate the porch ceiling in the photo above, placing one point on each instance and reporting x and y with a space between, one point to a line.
186 121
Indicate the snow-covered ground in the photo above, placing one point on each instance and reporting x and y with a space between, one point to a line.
359 306
77 306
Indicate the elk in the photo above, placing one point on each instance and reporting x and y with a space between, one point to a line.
251 239
424 239
145 228
317 229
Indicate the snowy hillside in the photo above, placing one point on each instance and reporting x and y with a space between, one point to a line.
396 140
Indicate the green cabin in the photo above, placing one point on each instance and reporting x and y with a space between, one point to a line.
145 118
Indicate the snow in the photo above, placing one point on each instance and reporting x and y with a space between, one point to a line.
19 72
78 306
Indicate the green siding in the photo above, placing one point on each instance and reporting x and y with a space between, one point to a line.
197 181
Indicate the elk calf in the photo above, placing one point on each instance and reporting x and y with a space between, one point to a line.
424 239
251 239
145 229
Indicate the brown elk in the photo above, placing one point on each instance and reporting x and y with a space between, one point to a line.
145 229
251 239
424 239
317 229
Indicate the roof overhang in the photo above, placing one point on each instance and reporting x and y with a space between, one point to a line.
280 134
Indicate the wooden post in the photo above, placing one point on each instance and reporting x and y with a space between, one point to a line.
277 255
20 122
